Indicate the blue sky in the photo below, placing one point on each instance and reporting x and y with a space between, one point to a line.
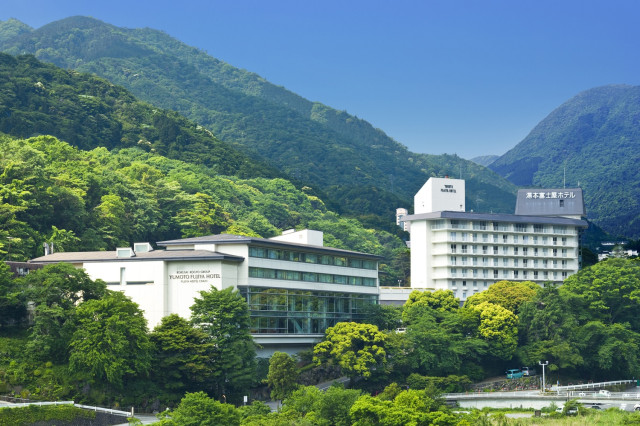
470 77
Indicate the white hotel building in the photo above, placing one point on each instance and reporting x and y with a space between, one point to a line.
295 287
466 252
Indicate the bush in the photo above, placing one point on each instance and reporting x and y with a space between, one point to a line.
31 414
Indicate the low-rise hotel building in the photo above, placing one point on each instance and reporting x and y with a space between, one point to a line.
295 287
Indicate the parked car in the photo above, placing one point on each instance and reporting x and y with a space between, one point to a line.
528 371
514 373
604 392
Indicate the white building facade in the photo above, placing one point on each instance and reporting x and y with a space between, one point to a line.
295 287
466 252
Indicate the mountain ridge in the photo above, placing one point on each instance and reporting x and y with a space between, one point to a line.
315 144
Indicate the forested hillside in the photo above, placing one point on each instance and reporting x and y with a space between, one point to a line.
592 140
93 200
359 169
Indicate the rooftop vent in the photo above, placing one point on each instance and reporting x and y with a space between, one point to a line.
125 252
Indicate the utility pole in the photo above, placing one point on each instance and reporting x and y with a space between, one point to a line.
543 364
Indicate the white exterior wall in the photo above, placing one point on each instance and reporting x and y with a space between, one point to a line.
152 297
523 252
440 194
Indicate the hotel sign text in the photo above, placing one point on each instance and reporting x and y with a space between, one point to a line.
194 276
554 194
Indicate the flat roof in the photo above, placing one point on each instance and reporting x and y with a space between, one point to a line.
499 217
110 256
240 239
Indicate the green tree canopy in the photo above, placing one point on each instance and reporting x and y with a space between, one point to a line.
356 348
224 316
508 294
282 376
182 355
111 340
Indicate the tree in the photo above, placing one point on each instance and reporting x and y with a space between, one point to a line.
182 355
422 303
608 291
283 374
13 308
508 294
356 348
110 341
55 290
203 216
499 328
224 316
197 409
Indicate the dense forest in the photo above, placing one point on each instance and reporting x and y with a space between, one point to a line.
591 141
355 168
407 356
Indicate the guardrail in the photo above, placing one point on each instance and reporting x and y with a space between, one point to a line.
24 402
587 386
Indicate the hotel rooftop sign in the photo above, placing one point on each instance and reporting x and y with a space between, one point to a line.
550 202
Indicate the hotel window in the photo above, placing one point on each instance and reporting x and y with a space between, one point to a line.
564 264
535 275
453 260
495 273
505 273
544 240
465 236
535 239
515 262
504 238
505 262
474 249
564 275
555 252
546 275
453 248
480 225
524 263
539 229
485 273
564 241
464 248
454 272
520 227
495 249
485 238
485 261
464 273
515 251
465 261
464 283
464 294
475 273
452 236
525 251
475 237
525 239
545 263
555 263
554 241
485 250
524 275
545 251
486 284
495 238
475 261
505 250
495 261
535 251
475 283
515 239
564 252
535 263
515 274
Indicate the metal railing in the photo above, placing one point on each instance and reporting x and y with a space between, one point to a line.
587 386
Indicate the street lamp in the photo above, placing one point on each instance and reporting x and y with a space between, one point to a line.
543 382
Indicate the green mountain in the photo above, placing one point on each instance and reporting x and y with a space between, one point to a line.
89 112
591 141
485 160
359 169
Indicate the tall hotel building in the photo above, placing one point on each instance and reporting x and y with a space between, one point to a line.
466 252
